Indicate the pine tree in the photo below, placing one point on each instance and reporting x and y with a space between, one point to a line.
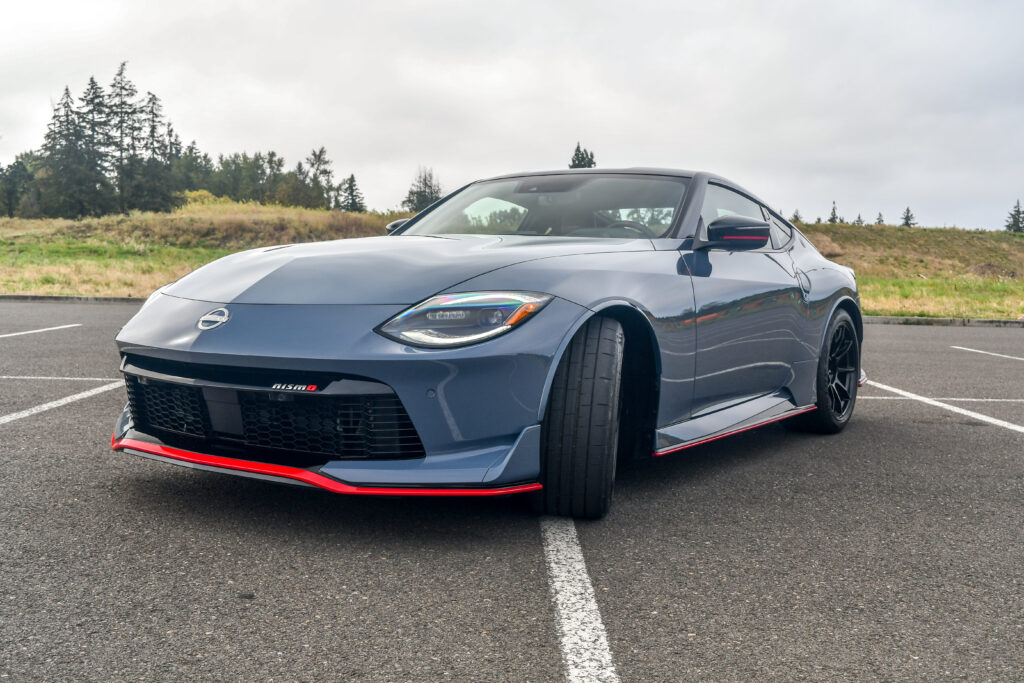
834 216
582 158
1015 221
859 221
321 177
351 197
154 189
796 217
425 190
908 219
14 181
96 149
124 129
63 186
879 220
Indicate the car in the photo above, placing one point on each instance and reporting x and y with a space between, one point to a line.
524 334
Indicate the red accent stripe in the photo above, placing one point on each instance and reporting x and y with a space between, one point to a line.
675 449
743 237
306 476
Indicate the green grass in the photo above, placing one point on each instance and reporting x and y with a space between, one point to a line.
902 271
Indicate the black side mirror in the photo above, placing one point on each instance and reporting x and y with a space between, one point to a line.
737 233
395 225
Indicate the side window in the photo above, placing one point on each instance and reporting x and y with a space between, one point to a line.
781 233
719 201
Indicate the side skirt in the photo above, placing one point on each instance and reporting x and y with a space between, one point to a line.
723 423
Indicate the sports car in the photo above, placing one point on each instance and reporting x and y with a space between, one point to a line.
521 335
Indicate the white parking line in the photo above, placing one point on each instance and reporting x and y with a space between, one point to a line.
4 419
61 379
987 353
45 329
585 651
939 404
975 400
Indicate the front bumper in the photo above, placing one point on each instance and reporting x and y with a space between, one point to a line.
477 410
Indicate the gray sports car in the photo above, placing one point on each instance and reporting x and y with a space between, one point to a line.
523 334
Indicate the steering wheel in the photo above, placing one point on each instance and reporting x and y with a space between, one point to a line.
635 226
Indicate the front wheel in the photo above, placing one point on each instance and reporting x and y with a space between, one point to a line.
580 432
838 373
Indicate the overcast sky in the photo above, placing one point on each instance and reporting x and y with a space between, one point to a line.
876 105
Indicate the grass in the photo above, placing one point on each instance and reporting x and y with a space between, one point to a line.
902 271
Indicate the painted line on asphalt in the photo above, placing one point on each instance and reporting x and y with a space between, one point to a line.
585 652
944 398
45 329
987 353
939 404
4 419
61 379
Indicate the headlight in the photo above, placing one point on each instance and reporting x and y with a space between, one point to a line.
457 319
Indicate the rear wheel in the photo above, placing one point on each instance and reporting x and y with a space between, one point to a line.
580 432
838 373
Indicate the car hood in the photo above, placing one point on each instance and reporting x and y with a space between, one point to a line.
374 270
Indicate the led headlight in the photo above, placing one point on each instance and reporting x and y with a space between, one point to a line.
464 318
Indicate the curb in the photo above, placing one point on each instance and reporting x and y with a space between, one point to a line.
54 299
945 322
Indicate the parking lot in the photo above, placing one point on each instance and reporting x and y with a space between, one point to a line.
891 551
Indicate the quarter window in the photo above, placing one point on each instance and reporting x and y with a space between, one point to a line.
781 233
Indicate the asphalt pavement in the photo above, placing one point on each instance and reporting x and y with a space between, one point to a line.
892 551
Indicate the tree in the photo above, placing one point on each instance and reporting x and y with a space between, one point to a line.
14 181
351 197
63 185
879 220
96 144
1015 221
582 158
154 189
124 130
908 219
834 216
859 221
425 190
321 177
796 217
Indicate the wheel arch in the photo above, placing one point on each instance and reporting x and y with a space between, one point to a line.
641 374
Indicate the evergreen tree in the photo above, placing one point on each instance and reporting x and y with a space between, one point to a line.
14 181
1015 221
321 177
125 128
908 219
859 221
582 158
796 217
834 216
192 169
817 220
96 145
351 197
154 189
879 220
65 177
425 190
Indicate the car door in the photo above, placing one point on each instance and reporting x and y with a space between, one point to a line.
747 304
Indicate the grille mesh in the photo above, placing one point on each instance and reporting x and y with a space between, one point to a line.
336 427
344 426
168 407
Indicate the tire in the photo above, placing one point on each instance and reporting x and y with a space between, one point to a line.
580 432
836 381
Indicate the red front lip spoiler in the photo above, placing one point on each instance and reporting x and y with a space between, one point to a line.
306 476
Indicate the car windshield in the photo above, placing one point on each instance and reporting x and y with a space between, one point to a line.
566 205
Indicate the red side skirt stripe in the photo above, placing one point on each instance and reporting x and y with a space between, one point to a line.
675 449
305 475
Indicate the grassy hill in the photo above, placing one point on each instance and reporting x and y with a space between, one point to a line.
902 271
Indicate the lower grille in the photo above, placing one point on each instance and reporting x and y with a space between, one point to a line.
345 426
278 426
168 407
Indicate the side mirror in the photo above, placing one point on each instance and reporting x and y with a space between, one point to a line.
737 233
395 225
